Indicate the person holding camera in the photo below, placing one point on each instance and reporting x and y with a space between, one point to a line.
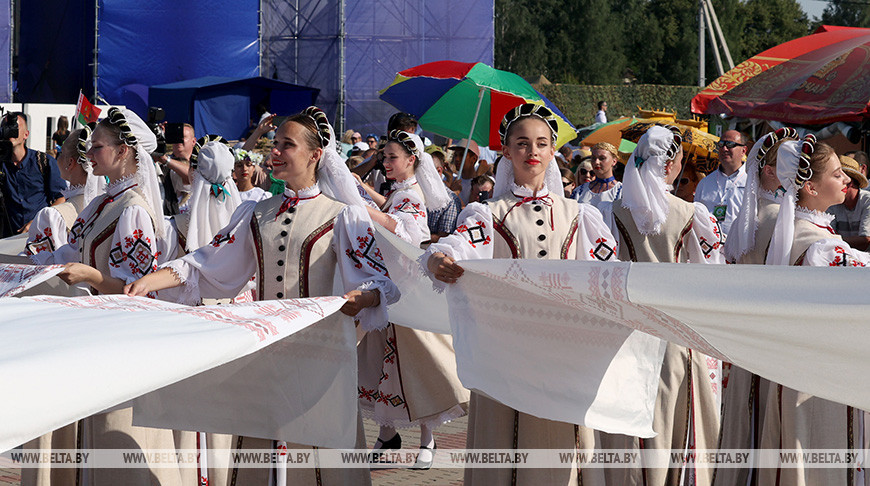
29 179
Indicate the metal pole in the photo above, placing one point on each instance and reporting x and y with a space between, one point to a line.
712 35
342 86
296 44
721 35
96 47
471 132
702 81
260 38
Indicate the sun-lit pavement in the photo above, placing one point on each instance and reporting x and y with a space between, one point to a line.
448 436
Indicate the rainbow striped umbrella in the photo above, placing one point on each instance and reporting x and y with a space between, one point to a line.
458 99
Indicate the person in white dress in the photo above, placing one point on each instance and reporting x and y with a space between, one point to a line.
316 236
652 225
408 377
113 242
528 217
745 394
813 180
50 226
605 187
247 162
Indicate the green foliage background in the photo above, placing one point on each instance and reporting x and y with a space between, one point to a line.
580 102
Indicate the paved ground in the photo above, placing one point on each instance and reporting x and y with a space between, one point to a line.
448 436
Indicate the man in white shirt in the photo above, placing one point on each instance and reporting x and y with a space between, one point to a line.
601 116
722 190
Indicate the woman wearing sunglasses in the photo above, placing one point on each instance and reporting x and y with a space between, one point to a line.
605 187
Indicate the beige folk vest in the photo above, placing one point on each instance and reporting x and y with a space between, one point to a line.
805 234
666 246
70 209
767 212
532 230
294 252
96 242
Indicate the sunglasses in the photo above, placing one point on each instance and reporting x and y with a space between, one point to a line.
728 143
566 183
584 171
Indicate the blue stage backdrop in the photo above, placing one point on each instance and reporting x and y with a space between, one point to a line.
301 45
55 50
164 41
226 106
5 42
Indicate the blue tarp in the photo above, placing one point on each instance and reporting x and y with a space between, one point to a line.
157 42
225 106
55 50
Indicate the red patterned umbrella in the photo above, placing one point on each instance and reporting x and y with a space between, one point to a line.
818 79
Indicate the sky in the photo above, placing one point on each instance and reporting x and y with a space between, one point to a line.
813 8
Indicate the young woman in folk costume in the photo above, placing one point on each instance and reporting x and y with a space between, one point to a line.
246 166
114 241
408 377
50 226
214 196
813 180
528 217
605 187
653 225
745 396
297 244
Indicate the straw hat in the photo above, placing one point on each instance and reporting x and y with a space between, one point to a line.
852 169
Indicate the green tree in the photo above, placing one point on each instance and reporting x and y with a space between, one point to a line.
770 23
849 13
520 46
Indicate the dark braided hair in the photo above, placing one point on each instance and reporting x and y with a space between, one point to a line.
805 171
201 143
524 111
81 146
404 139
784 133
322 123
116 122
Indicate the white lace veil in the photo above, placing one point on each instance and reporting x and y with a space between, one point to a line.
644 192
434 191
792 170
213 196
136 134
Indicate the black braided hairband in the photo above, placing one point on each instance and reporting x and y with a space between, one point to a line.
784 133
323 130
527 110
804 172
117 118
201 143
82 144
404 138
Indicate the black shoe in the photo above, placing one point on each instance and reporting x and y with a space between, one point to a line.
423 464
381 445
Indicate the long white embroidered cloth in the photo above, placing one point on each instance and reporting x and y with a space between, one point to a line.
62 359
559 339
15 278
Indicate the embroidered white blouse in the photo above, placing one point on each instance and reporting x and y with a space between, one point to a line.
831 252
407 208
48 230
134 244
464 245
223 268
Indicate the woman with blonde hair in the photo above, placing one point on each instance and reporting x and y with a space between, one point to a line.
605 187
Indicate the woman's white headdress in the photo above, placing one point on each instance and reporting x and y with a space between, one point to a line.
213 196
505 174
644 191
742 236
793 171
136 134
434 191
